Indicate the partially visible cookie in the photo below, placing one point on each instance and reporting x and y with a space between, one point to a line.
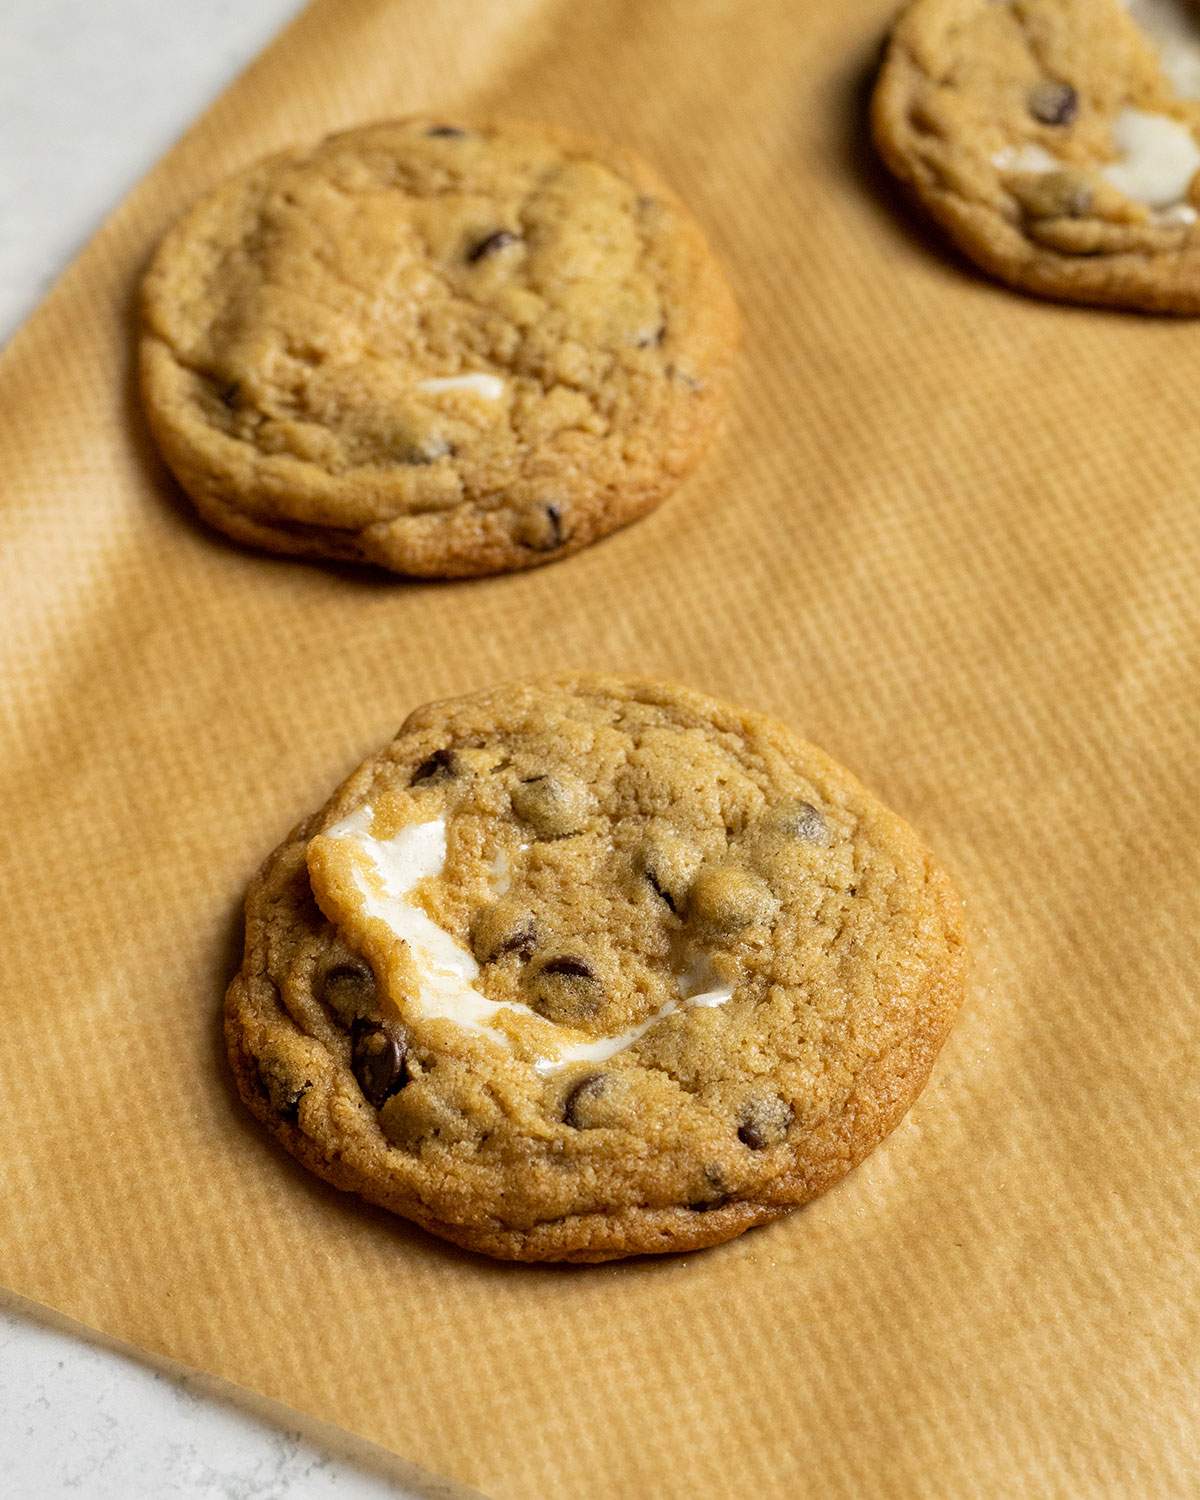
445 349
1058 141
592 967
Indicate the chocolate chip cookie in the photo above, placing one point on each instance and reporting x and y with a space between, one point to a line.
441 348
590 967
1058 141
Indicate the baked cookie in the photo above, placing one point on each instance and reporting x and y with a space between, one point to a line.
589 967
1058 141
442 349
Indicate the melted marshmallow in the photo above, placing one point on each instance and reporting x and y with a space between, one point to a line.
1027 158
1172 26
1159 155
500 871
1159 158
490 387
387 873
597 1050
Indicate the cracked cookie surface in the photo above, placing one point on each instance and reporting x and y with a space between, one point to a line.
1058 141
593 967
443 349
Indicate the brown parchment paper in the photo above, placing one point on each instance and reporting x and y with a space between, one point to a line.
952 536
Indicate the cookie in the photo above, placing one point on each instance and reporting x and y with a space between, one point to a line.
1057 141
590 967
443 349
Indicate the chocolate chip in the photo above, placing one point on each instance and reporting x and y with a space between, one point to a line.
566 990
446 130
765 1122
522 942
728 898
554 806
717 1197
569 968
277 1088
554 519
497 241
675 373
801 820
377 1060
1078 198
660 890
348 989
541 529
357 974
808 823
588 1088
289 1110
440 763
1052 195
667 863
1053 103
505 926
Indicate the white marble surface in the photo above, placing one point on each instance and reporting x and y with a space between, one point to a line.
79 1419
81 118
83 115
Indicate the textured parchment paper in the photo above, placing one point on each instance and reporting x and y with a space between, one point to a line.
952 536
